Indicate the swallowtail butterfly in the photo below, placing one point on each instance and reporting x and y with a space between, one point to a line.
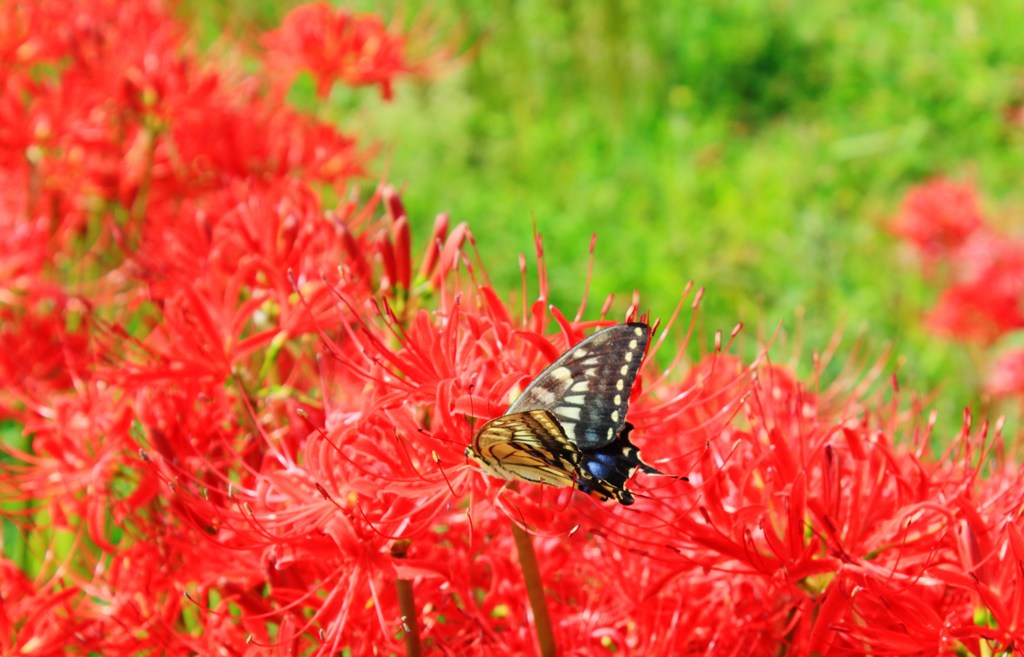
568 427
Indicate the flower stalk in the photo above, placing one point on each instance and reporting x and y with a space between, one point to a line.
534 590
407 605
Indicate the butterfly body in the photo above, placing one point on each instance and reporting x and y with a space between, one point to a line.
568 427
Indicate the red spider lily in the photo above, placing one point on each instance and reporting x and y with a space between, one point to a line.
36 617
141 124
939 216
1007 375
982 298
980 310
108 112
245 414
335 45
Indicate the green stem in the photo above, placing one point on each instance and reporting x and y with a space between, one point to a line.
138 209
407 605
535 591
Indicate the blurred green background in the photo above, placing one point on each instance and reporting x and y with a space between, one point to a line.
757 148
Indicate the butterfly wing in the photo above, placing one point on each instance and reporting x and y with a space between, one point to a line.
605 471
587 388
529 445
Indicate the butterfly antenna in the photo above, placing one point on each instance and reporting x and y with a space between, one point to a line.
450 441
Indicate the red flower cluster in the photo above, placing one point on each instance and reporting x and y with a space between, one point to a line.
244 415
334 45
982 272
939 216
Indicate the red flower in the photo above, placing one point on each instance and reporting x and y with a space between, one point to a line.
38 618
243 415
983 309
1006 378
334 45
939 216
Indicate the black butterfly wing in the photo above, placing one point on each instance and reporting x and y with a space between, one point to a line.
587 388
530 446
605 471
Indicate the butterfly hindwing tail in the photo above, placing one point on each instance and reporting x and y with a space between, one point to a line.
605 471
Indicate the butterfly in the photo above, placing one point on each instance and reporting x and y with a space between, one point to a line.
568 427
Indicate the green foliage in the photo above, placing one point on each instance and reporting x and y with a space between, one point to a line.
13 547
755 147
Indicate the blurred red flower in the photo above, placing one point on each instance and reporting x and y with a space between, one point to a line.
984 309
337 46
939 216
981 273
1007 375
